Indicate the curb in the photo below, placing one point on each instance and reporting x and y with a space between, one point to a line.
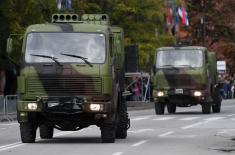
139 105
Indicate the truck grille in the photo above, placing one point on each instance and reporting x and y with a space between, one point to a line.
64 85
184 81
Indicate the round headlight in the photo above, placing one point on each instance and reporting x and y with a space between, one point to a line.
197 93
32 106
160 94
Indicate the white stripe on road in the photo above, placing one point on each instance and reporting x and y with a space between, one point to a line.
10 146
166 134
213 118
117 153
140 131
207 120
8 124
183 136
18 144
163 118
233 119
141 118
189 118
231 115
226 131
139 143
3 128
194 125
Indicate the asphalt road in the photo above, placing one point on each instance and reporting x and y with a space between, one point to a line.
186 132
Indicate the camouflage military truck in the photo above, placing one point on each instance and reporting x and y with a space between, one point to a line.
184 77
71 77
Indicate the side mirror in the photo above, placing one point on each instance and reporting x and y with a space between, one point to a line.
9 46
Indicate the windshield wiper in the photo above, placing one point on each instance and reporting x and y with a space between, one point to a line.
168 66
189 66
50 57
80 57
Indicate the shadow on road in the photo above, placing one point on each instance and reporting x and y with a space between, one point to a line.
66 140
188 113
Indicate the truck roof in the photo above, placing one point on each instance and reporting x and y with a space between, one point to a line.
68 27
182 48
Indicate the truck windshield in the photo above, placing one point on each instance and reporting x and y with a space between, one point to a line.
88 45
179 59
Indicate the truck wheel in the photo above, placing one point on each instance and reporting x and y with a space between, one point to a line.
108 133
159 108
28 132
171 108
217 107
206 108
123 121
46 131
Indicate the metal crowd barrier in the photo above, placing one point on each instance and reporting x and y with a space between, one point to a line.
8 107
2 107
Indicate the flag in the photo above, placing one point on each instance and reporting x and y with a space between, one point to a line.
59 4
64 4
183 13
169 17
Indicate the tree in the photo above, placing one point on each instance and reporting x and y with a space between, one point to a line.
219 28
141 20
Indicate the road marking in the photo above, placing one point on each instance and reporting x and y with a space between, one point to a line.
189 118
233 119
117 153
166 134
10 146
3 128
194 125
213 118
18 144
139 143
141 118
231 115
226 131
8 124
183 136
207 120
141 131
163 118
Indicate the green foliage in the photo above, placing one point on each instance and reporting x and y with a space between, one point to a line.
143 21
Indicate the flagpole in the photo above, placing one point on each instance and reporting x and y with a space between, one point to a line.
203 25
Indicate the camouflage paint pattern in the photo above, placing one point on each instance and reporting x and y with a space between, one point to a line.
96 84
190 79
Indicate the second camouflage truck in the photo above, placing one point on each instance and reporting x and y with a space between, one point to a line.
71 77
183 77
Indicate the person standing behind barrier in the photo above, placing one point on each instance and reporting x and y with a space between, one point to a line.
136 92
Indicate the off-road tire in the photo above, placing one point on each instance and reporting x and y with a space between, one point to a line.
46 131
108 133
171 108
28 132
206 108
123 121
159 108
216 107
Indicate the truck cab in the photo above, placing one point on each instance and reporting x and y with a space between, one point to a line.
184 77
71 77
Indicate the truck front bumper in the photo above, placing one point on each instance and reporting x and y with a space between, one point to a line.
65 105
163 95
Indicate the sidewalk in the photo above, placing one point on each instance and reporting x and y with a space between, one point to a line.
139 105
